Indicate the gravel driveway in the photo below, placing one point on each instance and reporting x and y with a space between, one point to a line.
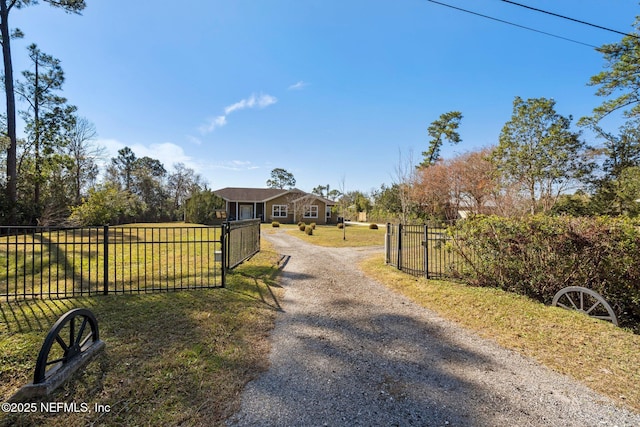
346 351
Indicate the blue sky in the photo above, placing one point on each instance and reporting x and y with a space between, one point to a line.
332 91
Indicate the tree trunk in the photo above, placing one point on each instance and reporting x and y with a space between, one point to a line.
12 172
532 195
36 117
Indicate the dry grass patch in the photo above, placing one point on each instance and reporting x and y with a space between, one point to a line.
171 358
594 352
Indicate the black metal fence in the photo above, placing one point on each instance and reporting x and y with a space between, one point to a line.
44 262
422 250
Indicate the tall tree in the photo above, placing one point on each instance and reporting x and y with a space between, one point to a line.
441 130
47 118
538 150
120 171
281 178
621 76
6 6
321 190
148 184
619 153
386 203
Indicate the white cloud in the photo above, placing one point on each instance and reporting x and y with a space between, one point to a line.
235 165
194 140
254 101
167 153
213 124
298 86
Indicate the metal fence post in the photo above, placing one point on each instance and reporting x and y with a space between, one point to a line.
223 254
426 251
387 244
106 259
400 246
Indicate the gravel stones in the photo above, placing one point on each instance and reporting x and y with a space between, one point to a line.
347 351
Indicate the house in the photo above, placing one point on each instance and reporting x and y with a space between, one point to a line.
274 204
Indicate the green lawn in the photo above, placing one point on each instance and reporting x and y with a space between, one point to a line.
171 358
332 236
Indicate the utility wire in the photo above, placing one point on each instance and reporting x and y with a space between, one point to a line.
511 23
570 19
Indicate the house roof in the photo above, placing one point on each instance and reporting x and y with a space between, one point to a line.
239 194
308 196
236 194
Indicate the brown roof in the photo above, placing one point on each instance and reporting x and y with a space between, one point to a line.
238 194
235 194
316 197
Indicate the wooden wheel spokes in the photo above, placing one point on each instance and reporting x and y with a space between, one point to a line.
70 343
586 301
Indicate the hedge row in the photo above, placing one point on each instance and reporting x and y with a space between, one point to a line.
539 255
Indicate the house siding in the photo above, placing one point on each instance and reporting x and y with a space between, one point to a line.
295 215
262 201
282 200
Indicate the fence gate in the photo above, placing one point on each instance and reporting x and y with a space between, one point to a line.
242 241
419 250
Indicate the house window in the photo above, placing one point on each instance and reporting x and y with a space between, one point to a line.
279 211
311 211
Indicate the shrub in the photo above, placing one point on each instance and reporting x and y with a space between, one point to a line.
309 230
275 224
540 255
302 226
340 225
105 205
313 225
373 226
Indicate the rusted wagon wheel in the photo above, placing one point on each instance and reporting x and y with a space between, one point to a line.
587 301
73 334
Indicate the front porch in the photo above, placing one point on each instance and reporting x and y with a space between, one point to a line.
245 210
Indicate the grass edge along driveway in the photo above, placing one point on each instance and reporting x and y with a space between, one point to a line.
597 353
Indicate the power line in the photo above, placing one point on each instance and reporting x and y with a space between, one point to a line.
512 23
570 19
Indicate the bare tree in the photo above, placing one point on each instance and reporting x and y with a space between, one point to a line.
182 183
84 155
405 177
301 205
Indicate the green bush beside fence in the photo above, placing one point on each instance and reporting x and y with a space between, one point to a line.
539 255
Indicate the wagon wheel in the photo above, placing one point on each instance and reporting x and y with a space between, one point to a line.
73 334
587 301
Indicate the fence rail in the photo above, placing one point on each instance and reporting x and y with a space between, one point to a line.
421 250
44 262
